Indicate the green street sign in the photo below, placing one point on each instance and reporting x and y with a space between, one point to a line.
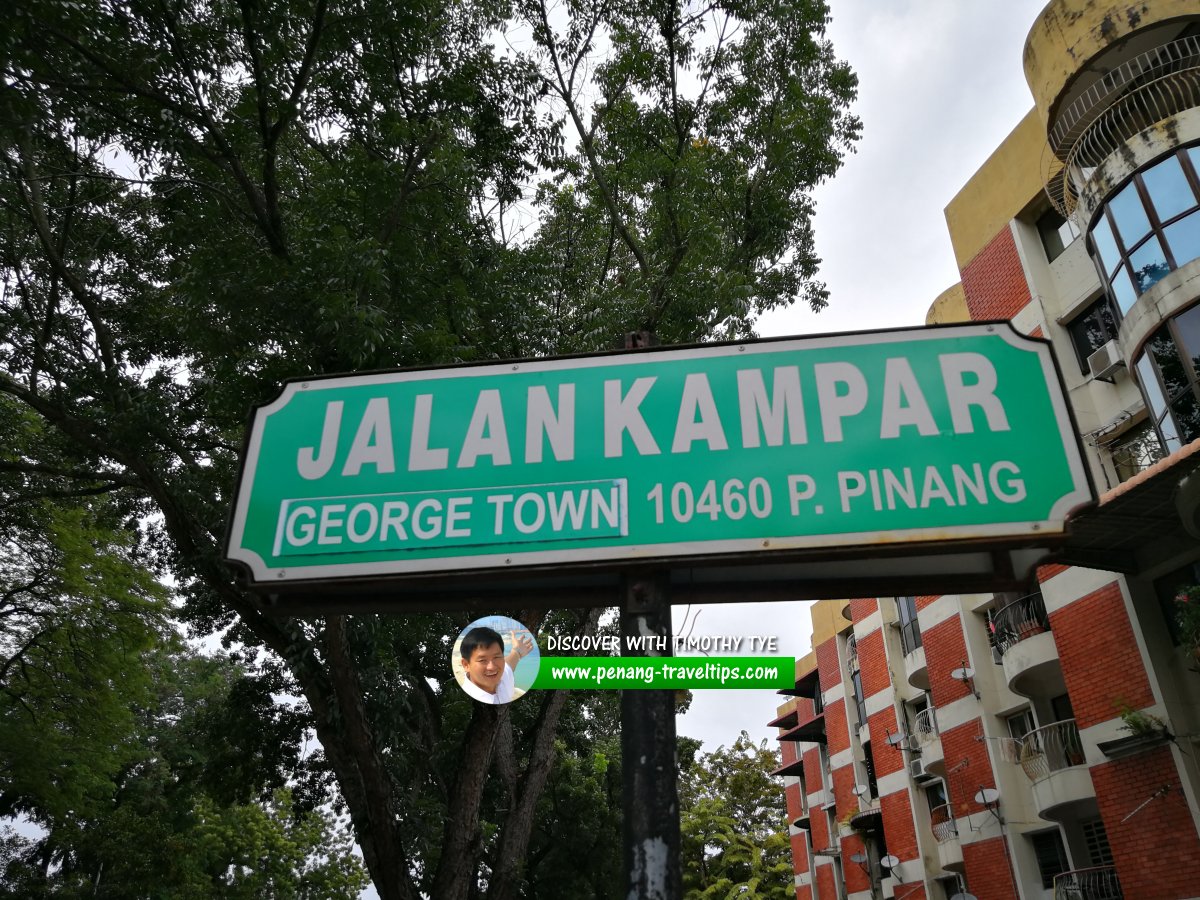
675 455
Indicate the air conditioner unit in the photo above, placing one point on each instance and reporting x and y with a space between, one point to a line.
1105 361
916 769
914 742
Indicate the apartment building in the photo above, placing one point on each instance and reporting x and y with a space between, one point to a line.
1044 743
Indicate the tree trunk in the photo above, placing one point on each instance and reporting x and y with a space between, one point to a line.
461 838
354 755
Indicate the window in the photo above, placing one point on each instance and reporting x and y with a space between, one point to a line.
1020 724
1135 451
1151 227
1096 839
1056 233
1091 330
1051 855
1167 372
935 795
860 702
910 630
1060 708
869 765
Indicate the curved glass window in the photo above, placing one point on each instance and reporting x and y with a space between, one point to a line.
1168 372
1151 227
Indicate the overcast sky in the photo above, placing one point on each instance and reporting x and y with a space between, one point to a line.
940 86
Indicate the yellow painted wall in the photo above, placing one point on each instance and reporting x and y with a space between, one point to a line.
827 620
950 306
805 664
1069 33
1003 186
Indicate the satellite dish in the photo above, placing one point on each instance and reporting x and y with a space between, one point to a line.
859 858
860 789
964 896
963 674
890 862
895 739
987 796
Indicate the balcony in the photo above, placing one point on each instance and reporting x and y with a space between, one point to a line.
927 740
1146 90
1021 633
1099 883
852 654
1052 758
916 670
950 855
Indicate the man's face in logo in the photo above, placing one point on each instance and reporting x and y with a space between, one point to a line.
485 667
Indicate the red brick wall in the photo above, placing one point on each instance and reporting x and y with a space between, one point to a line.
804 709
843 790
789 752
1156 852
804 893
887 758
924 601
836 729
994 281
872 664
1045 573
989 875
1101 663
799 854
812 769
945 650
827 664
863 607
825 883
960 744
791 796
856 879
819 831
898 825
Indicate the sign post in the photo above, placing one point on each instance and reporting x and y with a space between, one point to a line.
755 456
890 459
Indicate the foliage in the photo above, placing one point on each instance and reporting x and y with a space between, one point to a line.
241 851
177 815
1187 616
733 819
1140 723
201 200
76 614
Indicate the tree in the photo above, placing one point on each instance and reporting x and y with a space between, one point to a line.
182 794
200 200
733 820
77 611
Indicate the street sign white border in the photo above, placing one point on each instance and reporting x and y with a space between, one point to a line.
262 574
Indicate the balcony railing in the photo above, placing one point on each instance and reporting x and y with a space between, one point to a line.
941 820
852 653
1099 883
1019 620
1051 748
925 725
1145 90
